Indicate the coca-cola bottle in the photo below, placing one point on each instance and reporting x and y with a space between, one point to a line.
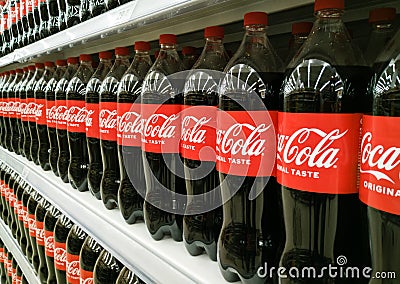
189 56
24 22
379 167
127 277
50 221
249 94
18 191
61 231
72 14
95 165
107 268
300 32
16 126
54 16
97 7
21 214
89 254
11 198
3 105
26 246
62 17
13 17
40 214
61 117
382 23
108 128
5 32
41 120
84 12
201 230
52 113
6 191
76 124
13 104
31 150
4 119
22 14
160 104
30 4
130 197
25 137
32 205
2 270
75 240
44 28
324 93
37 20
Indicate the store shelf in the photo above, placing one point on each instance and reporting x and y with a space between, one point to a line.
164 261
22 261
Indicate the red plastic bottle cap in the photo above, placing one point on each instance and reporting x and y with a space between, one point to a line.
72 60
122 51
328 4
25 69
167 39
382 15
301 28
49 64
255 18
39 65
31 67
12 72
214 31
7 73
85 57
188 50
105 55
61 62
19 71
142 45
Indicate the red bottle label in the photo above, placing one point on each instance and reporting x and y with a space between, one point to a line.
1 106
23 8
49 243
51 114
246 143
130 125
20 211
12 199
108 121
60 256
41 111
35 109
76 118
40 233
13 14
5 21
161 128
29 6
198 129
32 225
86 276
16 109
35 3
4 107
16 207
61 112
318 152
73 273
9 268
22 110
25 216
92 121
1 255
380 163
18 279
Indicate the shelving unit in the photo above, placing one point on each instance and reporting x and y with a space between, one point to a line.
22 261
164 261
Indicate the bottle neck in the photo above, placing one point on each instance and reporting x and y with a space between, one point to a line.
256 35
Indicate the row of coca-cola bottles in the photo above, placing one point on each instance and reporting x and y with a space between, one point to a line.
236 157
26 21
59 250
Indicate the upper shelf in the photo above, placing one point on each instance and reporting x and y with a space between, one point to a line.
138 19
164 261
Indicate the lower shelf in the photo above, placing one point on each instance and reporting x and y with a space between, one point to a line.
14 248
164 261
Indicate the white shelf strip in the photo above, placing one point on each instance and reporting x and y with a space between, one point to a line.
164 261
15 249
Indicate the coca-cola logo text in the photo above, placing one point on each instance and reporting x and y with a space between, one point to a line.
193 132
131 122
108 119
164 130
60 255
73 269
